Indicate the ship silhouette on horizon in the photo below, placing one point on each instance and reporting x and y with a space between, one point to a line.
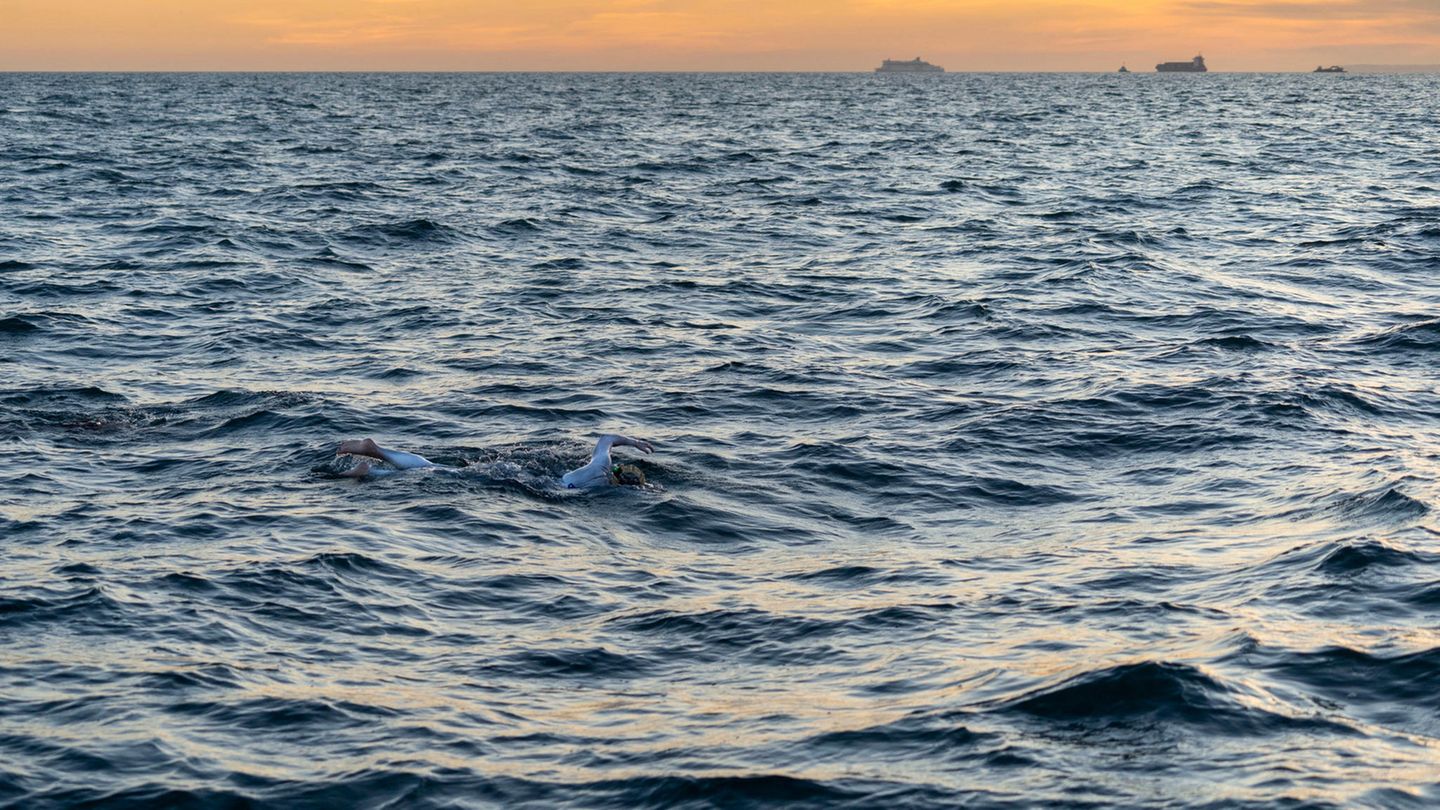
1196 65
916 65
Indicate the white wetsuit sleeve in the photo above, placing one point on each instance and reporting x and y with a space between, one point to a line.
405 461
601 456
597 469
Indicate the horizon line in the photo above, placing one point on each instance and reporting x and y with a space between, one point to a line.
865 71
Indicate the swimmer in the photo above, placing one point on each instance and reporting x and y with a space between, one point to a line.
598 472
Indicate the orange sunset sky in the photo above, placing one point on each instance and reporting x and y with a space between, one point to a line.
708 34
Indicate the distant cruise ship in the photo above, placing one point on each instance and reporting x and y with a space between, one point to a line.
1196 65
916 65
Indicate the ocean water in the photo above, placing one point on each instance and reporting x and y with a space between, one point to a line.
1063 440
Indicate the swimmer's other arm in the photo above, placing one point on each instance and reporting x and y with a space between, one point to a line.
597 471
616 440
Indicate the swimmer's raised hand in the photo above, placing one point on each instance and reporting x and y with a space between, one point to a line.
617 440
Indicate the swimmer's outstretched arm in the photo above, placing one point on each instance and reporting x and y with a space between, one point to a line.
616 440
368 448
599 467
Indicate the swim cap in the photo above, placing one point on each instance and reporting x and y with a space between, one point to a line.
627 475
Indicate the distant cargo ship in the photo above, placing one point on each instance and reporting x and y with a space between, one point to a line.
1196 65
916 65
1331 69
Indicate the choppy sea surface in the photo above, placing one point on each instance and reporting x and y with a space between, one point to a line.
1063 440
